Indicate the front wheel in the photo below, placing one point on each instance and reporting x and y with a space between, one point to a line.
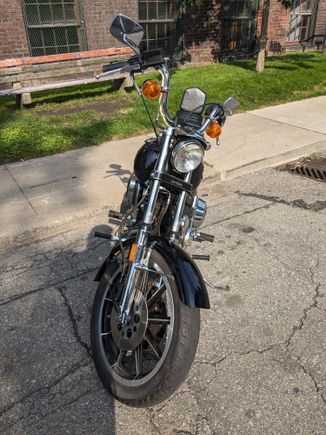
144 362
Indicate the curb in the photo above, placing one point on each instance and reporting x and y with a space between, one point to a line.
36 234
272 161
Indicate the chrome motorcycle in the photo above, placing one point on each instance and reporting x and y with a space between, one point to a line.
146 313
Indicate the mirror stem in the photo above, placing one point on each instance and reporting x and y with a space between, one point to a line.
131 44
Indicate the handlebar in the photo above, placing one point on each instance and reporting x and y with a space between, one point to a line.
114 66
164 97
211 116
133 65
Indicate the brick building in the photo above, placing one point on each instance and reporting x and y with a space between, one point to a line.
216 28
203 32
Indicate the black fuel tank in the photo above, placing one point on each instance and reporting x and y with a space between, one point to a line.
146 158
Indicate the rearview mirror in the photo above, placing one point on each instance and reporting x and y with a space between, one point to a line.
193 100
231 105
127 31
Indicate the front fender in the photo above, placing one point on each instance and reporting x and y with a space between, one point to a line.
187 277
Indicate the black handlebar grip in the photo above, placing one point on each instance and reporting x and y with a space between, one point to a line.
114 66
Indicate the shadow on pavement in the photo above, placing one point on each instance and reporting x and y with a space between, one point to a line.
117 170
48 383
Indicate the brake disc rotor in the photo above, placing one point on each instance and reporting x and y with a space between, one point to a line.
129 336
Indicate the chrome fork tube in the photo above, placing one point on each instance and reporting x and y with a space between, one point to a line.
142 237
178 214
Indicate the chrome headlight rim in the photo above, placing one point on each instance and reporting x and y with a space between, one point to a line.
181 147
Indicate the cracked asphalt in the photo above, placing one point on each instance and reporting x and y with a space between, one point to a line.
261 361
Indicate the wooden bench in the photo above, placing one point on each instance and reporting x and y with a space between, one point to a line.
21 77
318 40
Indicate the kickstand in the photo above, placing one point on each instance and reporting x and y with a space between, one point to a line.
225 288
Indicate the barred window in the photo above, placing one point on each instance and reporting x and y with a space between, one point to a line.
238 25
53 26
159 21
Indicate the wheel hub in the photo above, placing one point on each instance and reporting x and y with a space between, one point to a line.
129 336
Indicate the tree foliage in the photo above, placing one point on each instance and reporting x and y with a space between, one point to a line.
188 2
286 3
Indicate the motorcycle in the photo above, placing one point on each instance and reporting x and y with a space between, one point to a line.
146 313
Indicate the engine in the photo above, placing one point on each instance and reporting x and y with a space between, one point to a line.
193 218
195 208
132 195
199 212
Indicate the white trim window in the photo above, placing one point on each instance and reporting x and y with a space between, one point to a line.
300 21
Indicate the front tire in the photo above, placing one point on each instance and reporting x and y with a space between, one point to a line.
164 349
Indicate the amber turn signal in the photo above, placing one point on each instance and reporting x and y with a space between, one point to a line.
151 89
214 130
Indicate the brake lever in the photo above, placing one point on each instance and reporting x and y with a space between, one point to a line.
108 73
129 68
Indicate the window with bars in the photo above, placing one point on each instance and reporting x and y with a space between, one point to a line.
159 21
53 26
300 20
238 25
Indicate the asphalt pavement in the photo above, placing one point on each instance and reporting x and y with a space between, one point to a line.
260 367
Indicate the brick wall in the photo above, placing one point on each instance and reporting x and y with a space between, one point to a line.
277 26
13 39
202 23
320 26
201 28
278 23
98 16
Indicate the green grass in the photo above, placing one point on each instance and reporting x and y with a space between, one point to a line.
38 131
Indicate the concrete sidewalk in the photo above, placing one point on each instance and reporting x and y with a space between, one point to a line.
41 194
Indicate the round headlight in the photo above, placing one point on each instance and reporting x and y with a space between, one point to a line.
187 156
